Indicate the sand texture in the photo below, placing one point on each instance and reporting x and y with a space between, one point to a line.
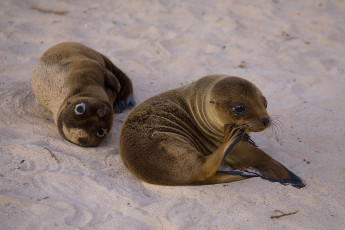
294 51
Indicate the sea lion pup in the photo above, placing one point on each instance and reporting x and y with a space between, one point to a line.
176 138
81 88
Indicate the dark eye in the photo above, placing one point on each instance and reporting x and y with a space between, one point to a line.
238 109
101 132
80 108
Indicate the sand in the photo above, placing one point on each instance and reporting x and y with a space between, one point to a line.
292 50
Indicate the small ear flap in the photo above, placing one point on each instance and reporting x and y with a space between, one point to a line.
111 81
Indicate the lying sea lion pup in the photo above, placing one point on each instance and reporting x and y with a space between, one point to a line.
81 88
180 137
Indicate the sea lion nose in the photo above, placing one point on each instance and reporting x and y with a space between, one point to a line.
265 121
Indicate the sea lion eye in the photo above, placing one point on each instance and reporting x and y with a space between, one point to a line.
238 109
101 132
80 108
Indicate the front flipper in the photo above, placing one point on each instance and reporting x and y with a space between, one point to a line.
293 179
245 155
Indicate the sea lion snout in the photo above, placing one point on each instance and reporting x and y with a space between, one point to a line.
266 121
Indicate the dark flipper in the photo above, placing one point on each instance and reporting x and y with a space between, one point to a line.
124 97
123 104
243 154
294 180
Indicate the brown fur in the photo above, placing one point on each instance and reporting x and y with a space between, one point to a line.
176 138
69 74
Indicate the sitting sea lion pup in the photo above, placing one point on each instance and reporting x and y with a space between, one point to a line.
180 137
81 87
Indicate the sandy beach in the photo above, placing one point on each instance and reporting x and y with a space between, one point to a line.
292 50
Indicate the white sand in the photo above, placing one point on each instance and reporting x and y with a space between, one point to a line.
294 51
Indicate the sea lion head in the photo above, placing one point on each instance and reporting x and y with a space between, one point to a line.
236 101
85 121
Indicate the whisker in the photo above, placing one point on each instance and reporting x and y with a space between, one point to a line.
276 119
276 128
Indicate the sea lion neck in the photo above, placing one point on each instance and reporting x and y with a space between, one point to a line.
198 99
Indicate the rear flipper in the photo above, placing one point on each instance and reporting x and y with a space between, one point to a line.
124 97
123 104
245 155
293 179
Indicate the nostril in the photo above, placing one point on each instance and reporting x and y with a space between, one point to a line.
265 121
